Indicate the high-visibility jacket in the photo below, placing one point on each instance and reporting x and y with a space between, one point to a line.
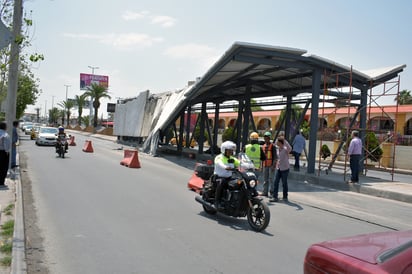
221 162
270 154
253 152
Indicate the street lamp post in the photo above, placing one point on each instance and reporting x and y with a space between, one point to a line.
91 104
67 109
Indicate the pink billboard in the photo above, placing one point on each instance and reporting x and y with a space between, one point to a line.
86 80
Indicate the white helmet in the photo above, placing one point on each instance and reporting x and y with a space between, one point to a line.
227 145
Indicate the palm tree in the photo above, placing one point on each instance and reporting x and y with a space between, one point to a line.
404 97
53 115
62 114
97 92
80 101
67 105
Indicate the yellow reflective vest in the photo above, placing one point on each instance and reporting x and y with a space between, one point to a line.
253 152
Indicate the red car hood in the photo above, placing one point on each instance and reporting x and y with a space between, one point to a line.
368 247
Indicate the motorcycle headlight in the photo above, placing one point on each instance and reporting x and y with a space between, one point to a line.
252 183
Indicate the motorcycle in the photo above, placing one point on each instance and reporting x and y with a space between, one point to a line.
61 147
239 199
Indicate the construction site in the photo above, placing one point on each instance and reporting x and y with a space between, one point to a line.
306 91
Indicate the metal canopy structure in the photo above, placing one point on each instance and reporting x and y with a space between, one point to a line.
287 75
271 71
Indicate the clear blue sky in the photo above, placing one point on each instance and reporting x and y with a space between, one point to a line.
161 45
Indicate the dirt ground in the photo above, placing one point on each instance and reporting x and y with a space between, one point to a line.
35 257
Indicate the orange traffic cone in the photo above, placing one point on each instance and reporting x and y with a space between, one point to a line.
88 146
71 141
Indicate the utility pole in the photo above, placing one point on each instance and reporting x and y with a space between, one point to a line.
91 103
14 66
37 114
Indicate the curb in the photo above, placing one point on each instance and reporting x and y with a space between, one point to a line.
18 264
366 187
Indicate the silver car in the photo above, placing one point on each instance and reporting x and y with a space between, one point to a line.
47 136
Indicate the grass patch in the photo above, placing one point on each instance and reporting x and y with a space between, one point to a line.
9 209
6 247
5 261
6 244
7 229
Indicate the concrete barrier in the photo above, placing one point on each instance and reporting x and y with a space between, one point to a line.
130 159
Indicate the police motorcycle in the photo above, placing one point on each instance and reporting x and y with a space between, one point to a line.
61 144
240 198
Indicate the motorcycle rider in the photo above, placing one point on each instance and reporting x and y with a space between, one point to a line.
61 135
224 164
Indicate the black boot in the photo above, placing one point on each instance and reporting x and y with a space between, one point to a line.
218 195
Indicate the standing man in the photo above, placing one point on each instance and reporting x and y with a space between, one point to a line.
298 145
355 153
255 153
5 144
282 171
14 141
269 164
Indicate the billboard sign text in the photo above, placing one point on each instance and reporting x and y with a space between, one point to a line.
86 80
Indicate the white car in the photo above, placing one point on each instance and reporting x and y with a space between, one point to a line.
47 136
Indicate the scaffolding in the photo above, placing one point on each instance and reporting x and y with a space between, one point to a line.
388 135
344 101
383 152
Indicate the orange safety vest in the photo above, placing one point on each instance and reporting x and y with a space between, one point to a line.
268 150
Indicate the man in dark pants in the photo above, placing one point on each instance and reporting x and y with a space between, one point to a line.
5 144
355 152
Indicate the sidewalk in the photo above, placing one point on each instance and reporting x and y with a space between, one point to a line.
12 195
377 184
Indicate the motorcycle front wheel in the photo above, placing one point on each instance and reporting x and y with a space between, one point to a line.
258 217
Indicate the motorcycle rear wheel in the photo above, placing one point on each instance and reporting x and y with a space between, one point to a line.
258 218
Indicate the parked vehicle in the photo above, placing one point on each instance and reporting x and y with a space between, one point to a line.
47 136
240 199
381 252
27 129
34 132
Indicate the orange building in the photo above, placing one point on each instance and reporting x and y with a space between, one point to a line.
381 119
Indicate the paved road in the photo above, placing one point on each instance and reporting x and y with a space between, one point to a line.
112 221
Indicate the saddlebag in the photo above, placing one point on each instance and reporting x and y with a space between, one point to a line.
204 171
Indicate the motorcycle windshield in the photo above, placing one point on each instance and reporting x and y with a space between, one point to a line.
245 162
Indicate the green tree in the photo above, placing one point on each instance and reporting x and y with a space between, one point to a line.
62 114
80 101
67 106
97 92
404 97
53 116
196 135
374 152
27 93
27 87
230 134
85 121
294 116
